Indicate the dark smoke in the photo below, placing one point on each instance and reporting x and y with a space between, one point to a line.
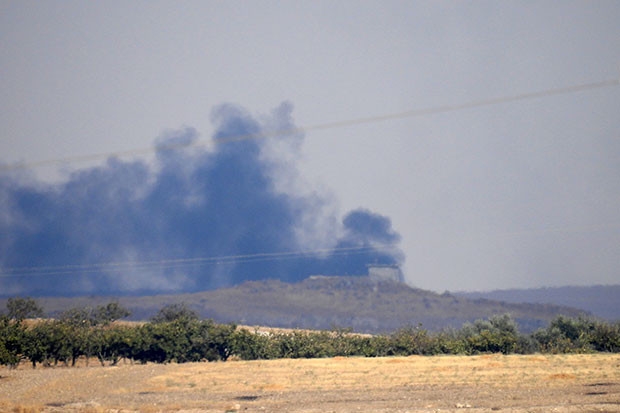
129 227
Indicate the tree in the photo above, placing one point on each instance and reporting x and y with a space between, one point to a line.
79 317
565 335
162 342
90 317
408 341
606 337
22 308
498 334
112 343
113 311
252 345
211 341
50 341
174 312
11 341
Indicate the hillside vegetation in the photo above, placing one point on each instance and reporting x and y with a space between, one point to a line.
600 300
178 334
358 303
361 304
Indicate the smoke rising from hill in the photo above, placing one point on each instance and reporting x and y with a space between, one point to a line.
197 219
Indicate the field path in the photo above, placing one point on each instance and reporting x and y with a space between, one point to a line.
535 383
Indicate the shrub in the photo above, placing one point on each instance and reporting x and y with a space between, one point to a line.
22 308
606 337
498 334
567 335
183 340
174 312
12 340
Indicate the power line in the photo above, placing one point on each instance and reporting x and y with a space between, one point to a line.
467 105
324 126
181 262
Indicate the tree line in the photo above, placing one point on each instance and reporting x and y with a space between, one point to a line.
177 334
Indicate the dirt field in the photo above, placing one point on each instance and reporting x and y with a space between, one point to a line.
537 383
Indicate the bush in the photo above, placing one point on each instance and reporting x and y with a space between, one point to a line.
498 334
89 317
178 335
252 345
567 335
174 312
112 343
22 308
50 342
408 341
12 340
183 340
449 342
211 341
606 337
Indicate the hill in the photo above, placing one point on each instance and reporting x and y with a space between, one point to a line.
600 300
325 302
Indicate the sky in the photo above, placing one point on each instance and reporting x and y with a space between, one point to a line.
451 138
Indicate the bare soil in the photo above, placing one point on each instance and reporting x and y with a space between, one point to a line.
534 383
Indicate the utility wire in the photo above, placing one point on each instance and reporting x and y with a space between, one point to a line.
324 126
181 262
177 263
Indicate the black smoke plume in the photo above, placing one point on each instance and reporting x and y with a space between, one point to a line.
196 219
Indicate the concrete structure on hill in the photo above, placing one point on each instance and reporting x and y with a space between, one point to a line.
385 272
376 273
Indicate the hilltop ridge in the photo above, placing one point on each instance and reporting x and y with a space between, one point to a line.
600 300
322 302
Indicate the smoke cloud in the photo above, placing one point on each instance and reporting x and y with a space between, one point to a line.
196 219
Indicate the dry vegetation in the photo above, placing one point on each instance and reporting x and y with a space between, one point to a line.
321 303
532 383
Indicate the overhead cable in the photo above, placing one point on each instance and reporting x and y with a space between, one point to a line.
321 126
182 262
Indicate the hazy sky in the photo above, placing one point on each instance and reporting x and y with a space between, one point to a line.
522 193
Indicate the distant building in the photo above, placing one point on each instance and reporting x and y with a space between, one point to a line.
385 272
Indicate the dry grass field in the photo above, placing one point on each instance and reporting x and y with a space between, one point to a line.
536 383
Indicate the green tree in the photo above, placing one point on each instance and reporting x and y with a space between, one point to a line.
88 316
606 337
79 317
50 341
498 334
12 339
567 335
174 312
249 345
409 340
163 342
113 343
22 308
110 312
